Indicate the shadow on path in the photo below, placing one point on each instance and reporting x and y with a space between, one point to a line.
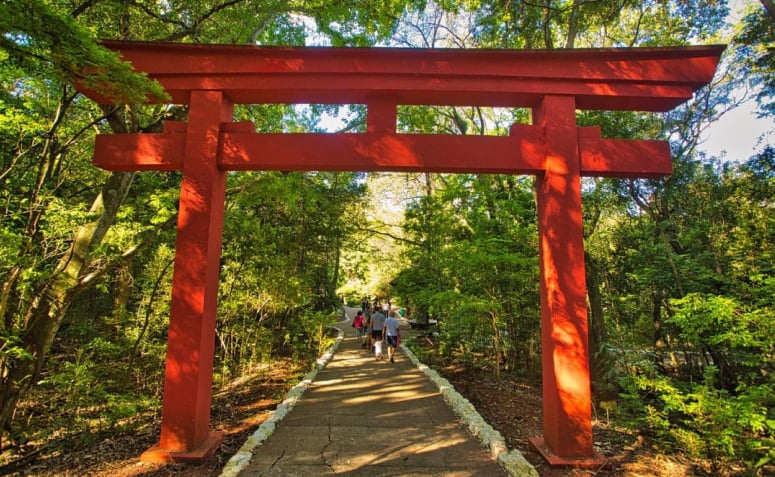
363 417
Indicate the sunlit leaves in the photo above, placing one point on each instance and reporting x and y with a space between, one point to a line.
575 23
35 37
756 37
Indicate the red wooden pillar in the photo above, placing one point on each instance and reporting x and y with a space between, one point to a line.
185 433
565 359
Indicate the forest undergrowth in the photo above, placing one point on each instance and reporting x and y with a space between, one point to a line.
509 402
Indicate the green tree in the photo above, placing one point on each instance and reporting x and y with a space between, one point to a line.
696 270
755 37
68 225
44 52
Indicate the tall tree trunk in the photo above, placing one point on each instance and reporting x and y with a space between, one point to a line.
770 7
6 289
546 22
656 319
496 339
337 266
597 332
573 23
44 317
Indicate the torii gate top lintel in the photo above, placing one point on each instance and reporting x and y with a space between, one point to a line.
647 79
644 79
210 79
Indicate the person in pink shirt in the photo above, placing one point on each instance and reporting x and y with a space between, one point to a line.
360 325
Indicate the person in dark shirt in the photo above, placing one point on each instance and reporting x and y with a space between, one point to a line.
377 326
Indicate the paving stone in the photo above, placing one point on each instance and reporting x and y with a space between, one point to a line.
363 417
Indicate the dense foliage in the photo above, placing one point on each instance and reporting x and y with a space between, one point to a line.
85 256
679 270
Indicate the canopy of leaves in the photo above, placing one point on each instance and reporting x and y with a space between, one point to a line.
38 40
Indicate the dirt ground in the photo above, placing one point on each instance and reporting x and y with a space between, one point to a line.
237 411
513 408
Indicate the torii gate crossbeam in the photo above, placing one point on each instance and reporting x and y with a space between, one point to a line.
210 79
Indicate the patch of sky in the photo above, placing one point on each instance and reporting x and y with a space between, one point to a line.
736 136
740 133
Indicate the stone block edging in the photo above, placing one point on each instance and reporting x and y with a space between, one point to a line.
513 462
241 459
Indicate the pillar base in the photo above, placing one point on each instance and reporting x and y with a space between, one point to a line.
158 455
594 461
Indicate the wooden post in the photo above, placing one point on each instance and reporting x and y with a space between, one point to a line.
567 405
185 434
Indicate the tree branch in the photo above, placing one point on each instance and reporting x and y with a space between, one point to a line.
770 7
387 234
86 280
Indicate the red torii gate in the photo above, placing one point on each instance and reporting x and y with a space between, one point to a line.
212 78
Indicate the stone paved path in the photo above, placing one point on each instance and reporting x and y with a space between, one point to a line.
362 417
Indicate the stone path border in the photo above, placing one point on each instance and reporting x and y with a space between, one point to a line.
513 462
241 459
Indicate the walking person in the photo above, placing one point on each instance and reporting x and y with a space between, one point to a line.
359 325
391 334
367 330
377 324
